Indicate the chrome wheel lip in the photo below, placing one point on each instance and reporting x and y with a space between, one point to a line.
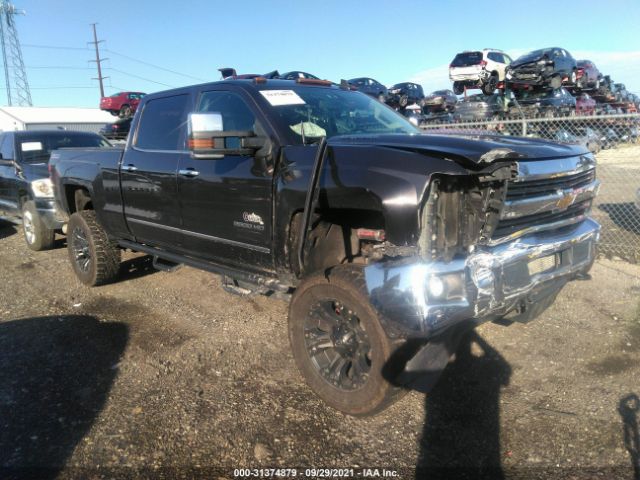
81 249
28 228
338 345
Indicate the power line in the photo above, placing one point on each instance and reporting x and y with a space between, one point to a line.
56 87
154 66
54 47
59 67
140 78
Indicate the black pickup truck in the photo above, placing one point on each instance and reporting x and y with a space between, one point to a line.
26 194
388 242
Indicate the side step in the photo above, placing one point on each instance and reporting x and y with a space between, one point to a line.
165 265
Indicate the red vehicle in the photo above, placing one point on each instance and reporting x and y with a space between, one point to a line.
587 75
122 104
585 105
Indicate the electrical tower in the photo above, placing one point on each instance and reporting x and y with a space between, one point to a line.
16 81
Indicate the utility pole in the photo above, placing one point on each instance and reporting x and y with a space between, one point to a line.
98 60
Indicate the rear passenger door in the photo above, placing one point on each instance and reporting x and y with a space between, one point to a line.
149 169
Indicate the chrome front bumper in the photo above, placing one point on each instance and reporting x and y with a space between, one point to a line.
418 299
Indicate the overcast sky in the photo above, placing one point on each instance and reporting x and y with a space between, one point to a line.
391 41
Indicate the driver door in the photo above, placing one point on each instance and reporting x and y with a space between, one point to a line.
226 203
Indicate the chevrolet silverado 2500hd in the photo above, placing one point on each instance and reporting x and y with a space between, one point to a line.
388 242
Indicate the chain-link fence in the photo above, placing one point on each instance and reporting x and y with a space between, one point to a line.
615 141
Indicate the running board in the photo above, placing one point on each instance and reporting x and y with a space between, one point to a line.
259 283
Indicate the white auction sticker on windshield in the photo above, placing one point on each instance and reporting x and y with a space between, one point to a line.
278 98
31 146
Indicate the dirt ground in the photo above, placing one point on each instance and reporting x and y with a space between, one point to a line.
165 375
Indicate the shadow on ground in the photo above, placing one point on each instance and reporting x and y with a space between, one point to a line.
461 436
623 215
136 268
55 375
7 229
629 409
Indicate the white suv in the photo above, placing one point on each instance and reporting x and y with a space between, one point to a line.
482 69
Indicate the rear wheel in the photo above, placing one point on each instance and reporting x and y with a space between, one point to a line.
125 111
338 342
404 101
489 87
95 259
556 81
458 88
36 233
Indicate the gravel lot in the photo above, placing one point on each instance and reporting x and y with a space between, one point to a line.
166 375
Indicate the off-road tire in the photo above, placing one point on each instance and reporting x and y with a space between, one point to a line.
36 234
104 254
345 284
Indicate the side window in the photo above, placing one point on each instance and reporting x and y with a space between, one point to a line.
493 56
6 147
236 115
163 124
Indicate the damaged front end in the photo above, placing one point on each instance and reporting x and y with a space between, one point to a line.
497 244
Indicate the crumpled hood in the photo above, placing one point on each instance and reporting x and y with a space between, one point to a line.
526 59
467 149
35 171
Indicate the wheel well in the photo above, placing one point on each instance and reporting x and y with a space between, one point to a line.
332 239
78 198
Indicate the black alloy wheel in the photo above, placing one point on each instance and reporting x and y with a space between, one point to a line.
337 344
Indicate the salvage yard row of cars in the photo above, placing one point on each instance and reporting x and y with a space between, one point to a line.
547 82
381 239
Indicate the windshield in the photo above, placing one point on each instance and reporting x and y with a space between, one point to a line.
36 148
320 112
466 59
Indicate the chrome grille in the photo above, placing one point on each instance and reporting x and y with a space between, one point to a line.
547 195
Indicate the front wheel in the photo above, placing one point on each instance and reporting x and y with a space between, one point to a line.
36 233
338 342
95 259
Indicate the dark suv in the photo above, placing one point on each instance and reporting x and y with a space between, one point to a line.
370 87
406 93
26 193
547 67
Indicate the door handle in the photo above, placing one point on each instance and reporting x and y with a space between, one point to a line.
189 172
129 168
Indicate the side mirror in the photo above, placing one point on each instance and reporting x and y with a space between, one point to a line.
207 138
5 161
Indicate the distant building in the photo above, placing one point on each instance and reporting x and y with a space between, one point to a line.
44 118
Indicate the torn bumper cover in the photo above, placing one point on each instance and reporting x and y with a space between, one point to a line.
518 279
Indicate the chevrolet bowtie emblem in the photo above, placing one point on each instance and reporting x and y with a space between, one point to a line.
567 200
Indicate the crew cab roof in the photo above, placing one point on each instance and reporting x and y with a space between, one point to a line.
250 85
